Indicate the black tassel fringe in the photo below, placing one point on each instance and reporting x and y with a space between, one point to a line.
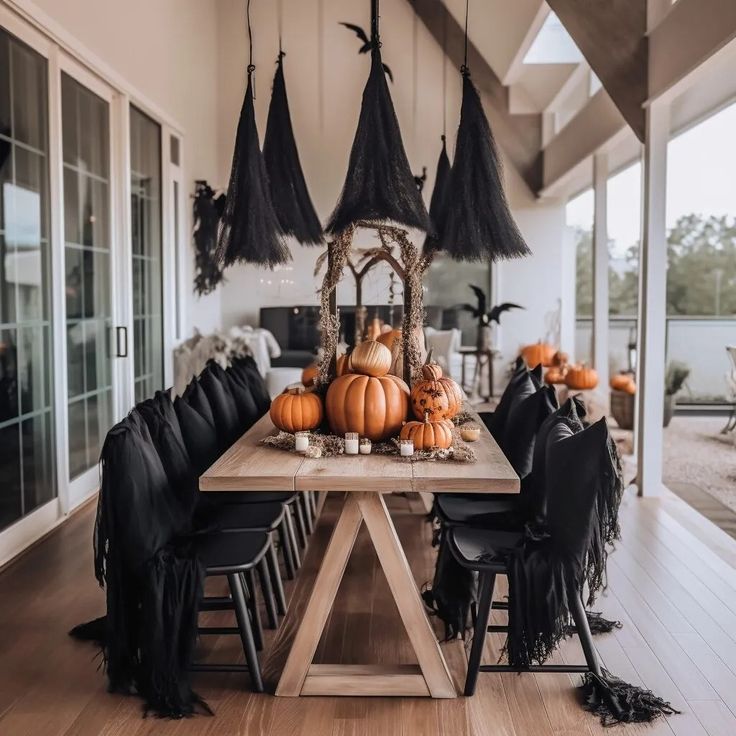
208 209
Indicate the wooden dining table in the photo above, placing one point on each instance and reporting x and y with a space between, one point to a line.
360 483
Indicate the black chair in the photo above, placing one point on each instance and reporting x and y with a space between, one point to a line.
573 463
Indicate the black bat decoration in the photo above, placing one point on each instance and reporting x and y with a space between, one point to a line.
367 45
419 180
480 312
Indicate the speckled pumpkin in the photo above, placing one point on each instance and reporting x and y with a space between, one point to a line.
435 394
297 410
374 407
428 434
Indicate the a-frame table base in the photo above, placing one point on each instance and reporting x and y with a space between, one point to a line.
430 677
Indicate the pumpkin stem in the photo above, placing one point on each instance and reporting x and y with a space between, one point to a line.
296 388
429 356
426 417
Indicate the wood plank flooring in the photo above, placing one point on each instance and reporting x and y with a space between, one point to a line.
672 583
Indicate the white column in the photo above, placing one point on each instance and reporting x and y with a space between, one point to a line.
652 303
600 271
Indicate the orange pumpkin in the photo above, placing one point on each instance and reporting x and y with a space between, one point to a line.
387 338
581 378
621 381
435 394
370 358
343 365
630 388
539 352
428 434
296 410
555 375
560 358
309 374
374 407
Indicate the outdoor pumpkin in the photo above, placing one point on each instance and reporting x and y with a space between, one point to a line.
539 352
428 434
370 358
435 394
581 378
374 407
297 410
621 381
555 375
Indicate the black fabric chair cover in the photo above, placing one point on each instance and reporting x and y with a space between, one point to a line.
227 424
200 437
195 396
520 384
247 369
537 375
245 404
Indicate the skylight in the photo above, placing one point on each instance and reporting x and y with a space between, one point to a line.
553 45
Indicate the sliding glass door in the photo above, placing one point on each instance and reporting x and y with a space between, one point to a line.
146 235
88 271
27 474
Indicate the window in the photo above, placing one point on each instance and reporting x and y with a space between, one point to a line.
27 473
145 193
579 219
553 45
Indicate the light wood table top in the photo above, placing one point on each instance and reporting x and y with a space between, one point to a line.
250 466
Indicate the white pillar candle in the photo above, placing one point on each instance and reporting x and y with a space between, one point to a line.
301 442
406 447
351 443
365 447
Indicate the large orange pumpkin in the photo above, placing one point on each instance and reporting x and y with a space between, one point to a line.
374 407
581 378
435 394
621 381
370 358
296 410
428 434
539 352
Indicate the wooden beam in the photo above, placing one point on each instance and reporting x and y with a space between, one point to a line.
519 136
688 35
652 304
612 37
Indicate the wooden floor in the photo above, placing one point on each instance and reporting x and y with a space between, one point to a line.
672 583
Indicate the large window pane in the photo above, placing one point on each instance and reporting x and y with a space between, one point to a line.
26 358
86 146
145 164
579 220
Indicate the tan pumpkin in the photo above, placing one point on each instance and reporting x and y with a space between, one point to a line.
374 407
555 375
297 410
539 352
621 381
581 378
387 338
435 394
370 358
309 374
428 434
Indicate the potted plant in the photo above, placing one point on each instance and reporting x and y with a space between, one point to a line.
674 380
485 316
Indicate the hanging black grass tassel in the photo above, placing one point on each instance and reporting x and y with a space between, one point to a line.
208 208
438 201
289 193
250 231
616 701
478 225
379 185
596 623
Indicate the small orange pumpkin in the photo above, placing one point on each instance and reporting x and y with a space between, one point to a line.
428 434
435 394
560 358
309 374
630 388
539 352
297 410
370 358
581 378
621 381
555 375
374 407
387 338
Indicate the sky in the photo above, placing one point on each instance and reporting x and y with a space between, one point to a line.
700 178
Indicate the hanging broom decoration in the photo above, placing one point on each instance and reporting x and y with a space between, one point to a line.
207 210
250 231
438 201
379 185
478 225
289 192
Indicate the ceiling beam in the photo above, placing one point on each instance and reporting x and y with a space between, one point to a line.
519 136
612 37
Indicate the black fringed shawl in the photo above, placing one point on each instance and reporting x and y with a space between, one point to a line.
153 586
250 231
207 210
289 193
478 225
379 185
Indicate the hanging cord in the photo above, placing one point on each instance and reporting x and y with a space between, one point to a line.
415 67
375 38
251 65
464 68
280 24
444 74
